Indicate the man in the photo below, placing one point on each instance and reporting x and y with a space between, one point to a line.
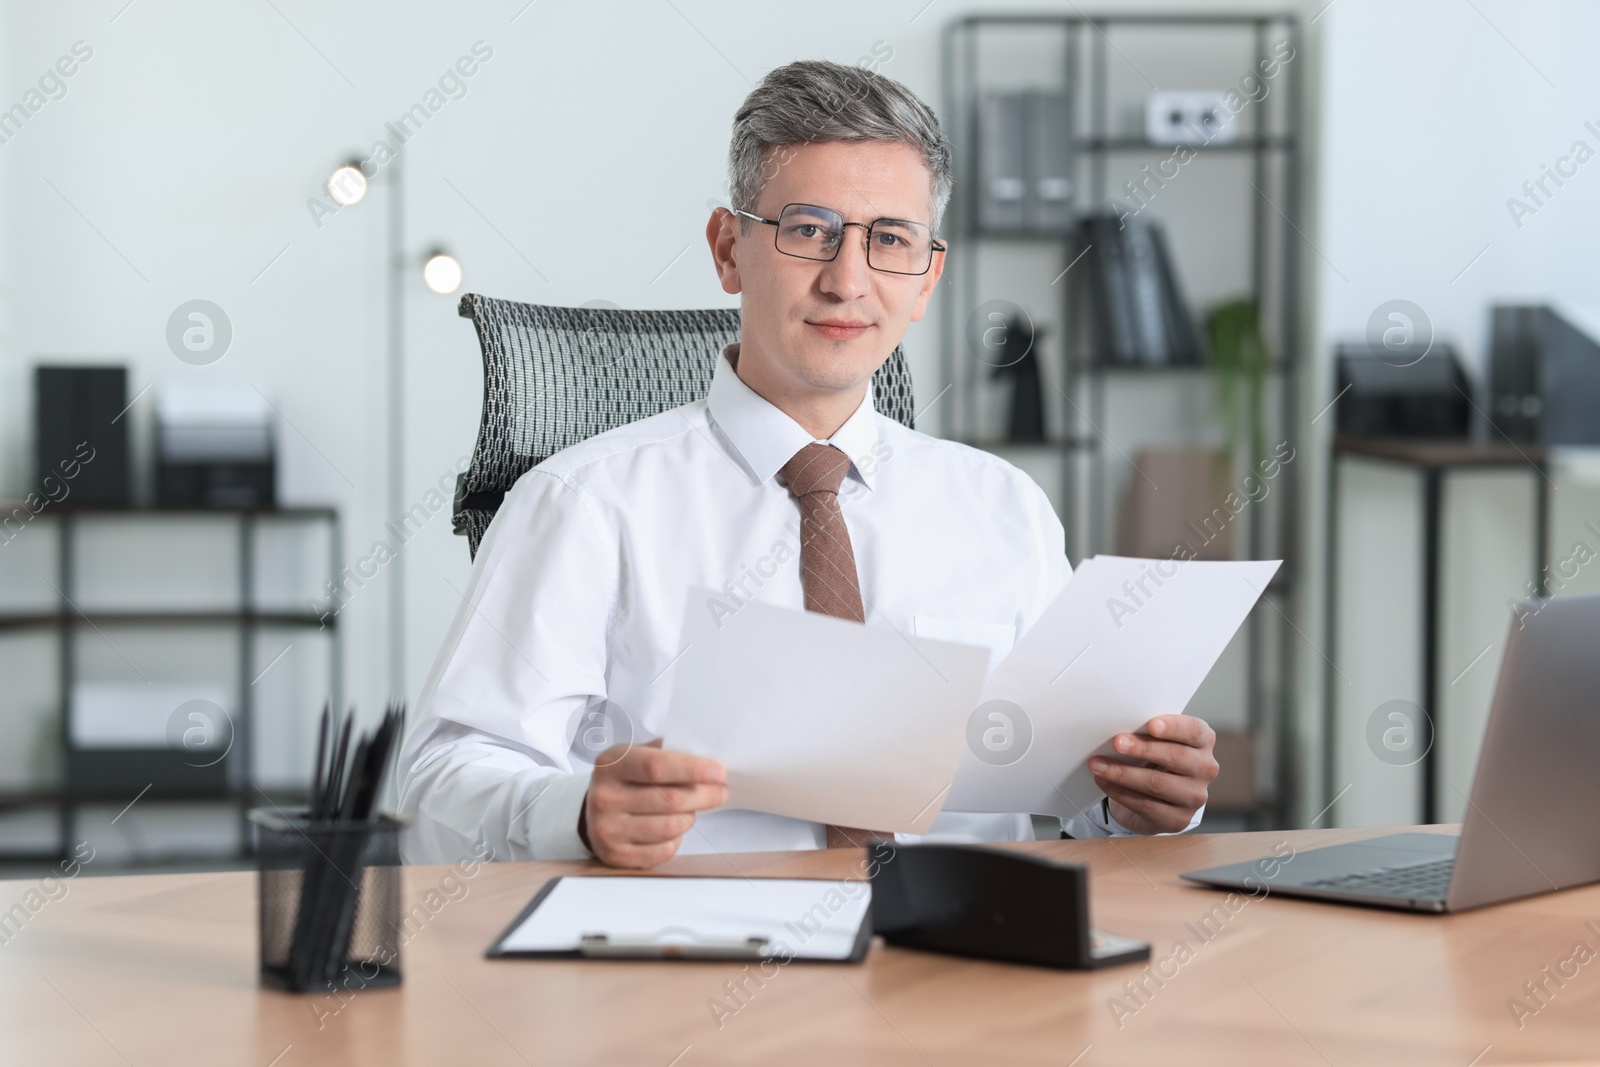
783 485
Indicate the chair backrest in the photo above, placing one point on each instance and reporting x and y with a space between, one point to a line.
554 376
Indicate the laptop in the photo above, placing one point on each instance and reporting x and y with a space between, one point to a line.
1531 824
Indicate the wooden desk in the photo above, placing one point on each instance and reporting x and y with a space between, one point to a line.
161 970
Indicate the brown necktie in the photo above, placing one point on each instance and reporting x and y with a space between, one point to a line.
827 562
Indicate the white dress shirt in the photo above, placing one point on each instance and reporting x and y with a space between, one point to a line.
576 601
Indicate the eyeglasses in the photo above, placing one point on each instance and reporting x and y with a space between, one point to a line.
895 246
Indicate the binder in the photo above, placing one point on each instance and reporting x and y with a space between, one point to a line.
1049 116
667 918
78 426
1025 158
1140 315
1002 181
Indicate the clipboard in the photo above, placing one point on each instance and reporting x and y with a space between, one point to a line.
671 918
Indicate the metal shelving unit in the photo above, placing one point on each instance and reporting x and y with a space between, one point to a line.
103 775
1271 153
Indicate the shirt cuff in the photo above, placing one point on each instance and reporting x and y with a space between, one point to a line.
552 821
1098 821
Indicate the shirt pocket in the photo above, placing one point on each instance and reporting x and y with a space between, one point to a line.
997 637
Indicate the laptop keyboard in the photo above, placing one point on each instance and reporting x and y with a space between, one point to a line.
1420 881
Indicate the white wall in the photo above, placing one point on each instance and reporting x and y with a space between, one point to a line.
578 166
1433 114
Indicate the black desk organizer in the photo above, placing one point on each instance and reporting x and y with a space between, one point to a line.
995 904
329 902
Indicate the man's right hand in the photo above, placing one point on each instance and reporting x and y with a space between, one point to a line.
642 800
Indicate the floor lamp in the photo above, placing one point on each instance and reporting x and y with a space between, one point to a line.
441 273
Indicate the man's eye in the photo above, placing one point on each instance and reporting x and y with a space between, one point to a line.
889 240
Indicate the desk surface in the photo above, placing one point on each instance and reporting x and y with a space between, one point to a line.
161 970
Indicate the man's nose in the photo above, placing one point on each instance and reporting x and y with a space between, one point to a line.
847 275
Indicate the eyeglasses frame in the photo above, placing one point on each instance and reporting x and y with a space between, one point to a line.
937 246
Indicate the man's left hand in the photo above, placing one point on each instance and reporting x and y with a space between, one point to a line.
1163 783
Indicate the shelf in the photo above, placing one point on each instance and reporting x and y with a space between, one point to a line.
52 510
1270 143
1100 394
35 858
1032 236
1157 369
1064 444
116 776
30 620
1153 19
65 800
1140 369
20 800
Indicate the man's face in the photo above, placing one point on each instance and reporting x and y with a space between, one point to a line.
826 326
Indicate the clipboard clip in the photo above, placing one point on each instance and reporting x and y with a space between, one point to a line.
673 943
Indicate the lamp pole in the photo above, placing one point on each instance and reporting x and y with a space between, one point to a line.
395 306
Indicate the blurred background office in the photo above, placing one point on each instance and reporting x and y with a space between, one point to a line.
1275 280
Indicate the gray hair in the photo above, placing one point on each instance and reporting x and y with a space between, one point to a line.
815 100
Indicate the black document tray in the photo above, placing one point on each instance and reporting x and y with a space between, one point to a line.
995 904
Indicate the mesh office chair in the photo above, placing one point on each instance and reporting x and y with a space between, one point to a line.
554 376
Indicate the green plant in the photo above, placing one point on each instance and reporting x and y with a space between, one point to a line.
1239 364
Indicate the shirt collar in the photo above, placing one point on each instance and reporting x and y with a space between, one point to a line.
766 437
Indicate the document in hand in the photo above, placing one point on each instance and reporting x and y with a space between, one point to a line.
1124 641
821 718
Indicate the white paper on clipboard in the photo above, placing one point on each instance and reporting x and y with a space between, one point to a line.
791 917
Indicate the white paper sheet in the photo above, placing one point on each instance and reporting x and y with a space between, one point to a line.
1126 640
821 718
801 919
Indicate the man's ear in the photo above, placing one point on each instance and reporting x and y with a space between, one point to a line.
720 236
929 281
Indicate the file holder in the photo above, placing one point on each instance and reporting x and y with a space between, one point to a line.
994 904
329 902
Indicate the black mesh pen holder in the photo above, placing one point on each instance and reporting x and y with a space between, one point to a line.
329 902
